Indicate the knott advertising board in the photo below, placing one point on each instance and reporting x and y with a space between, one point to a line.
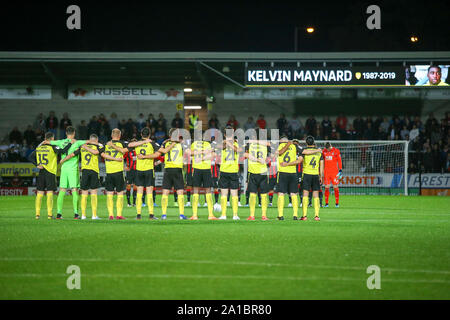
101 92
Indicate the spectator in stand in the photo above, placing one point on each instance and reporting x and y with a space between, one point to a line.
39 135
151 119
177 122
369 133
381 134
39 122
418 124
16 181
113 121
295 125
318 132
14 152
160 135
162 122
350 133
281 121
94 126
377 122
341 123
310 125
51 124
358 125
444 129
214 123
436 158
261 122
4 151
404 132
435 134
412 168
335 135
414 132
83 131
128 128
30 136
287 130
326 126
369 120
63 124
140 122
385 125
429 123
104 131
250 124
232 122
122 125
15 136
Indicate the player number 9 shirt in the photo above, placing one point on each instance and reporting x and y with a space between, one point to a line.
146 149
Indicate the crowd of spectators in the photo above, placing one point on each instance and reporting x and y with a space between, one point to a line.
429 141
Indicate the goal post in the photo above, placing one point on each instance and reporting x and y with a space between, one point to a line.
370 167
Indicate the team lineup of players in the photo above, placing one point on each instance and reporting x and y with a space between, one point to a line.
208 166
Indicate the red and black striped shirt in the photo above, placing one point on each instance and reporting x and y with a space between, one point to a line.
130 158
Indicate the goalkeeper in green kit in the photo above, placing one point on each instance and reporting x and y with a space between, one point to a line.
70 177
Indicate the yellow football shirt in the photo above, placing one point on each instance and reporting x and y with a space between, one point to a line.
174 158
47 157
89 161
288 156
114 166
201 161
146 149
229 160
259 152
311 163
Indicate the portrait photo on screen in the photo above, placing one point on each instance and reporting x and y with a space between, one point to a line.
427 75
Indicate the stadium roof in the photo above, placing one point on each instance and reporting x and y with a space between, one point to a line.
175 68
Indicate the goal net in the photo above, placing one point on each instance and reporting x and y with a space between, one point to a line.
371 167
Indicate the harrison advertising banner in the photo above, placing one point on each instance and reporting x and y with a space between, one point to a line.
132 92
24 169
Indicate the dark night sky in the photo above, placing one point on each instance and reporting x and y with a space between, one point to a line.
225 26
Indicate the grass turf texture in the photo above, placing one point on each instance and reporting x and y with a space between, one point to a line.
407 237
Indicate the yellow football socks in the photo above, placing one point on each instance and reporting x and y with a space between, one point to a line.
264 203
38 204
181 204
234 205
149 198
195 204
94 202
316 206
280 205
305 205
210 204
295 205
223 204
83 204
50 204
119 205
252 202
139 203
110 204
164 203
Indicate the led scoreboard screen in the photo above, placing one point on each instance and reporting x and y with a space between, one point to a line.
373 76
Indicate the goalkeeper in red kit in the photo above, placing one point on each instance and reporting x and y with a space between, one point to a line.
332 172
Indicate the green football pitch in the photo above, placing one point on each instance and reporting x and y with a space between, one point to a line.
408 238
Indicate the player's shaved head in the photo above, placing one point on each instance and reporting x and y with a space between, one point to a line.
49 136
116 133
309 141
93 137
145 132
